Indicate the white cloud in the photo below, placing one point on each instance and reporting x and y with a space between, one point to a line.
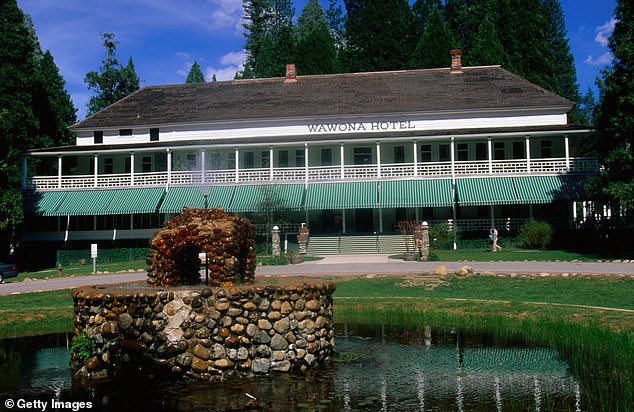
604 32
603 60
227 13
231 63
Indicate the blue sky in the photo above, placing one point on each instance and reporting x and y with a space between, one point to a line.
165 37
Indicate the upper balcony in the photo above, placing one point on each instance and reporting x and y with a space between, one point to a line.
308 174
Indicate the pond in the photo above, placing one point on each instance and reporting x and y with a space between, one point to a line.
376 369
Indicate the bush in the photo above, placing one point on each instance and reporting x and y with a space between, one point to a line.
441 236
535 234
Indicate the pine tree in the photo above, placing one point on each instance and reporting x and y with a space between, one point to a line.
378 34
487 48
195 74
258 15
422 10
113 82
565 73
615 184
315 52
434 45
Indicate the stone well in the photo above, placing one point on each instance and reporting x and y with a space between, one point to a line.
232 325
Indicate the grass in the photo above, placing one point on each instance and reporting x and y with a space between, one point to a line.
31 314
511 254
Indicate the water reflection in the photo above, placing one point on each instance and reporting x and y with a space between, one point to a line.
379 369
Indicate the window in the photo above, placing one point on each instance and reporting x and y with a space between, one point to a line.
499 151
518 150
265 159
463 152
154 135
481 151
190 160
443 153
326 157
300 159
282 158
362 155
125 132
546 147
98 136
249 160
146 164
128 164
399 154
425 153
108 165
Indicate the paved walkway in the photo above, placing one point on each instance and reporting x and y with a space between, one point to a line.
346 265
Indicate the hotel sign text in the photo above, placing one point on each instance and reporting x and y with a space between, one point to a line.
360 126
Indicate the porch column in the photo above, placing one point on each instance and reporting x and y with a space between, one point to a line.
169 167
490 154
132 168
567 148
453 159
528 154
59 171
492 215
271 162
237 161
341 154
378 159
343 221
380 219
306 164
24 171
415 158
202 166
96 162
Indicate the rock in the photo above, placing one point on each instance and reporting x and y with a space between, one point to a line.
282 325
125 321
441 270
282 366
278 342
464 271
199 365
261 365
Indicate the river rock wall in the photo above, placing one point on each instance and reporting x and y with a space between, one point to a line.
203 333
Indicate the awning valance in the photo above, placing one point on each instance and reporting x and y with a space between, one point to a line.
179 197
349 195
416 193
259 198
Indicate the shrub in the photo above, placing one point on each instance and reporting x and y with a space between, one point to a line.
535 234
82 346
441 236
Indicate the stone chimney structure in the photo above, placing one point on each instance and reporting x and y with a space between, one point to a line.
291 73
456 61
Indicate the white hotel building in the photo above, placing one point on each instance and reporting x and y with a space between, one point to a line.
350 154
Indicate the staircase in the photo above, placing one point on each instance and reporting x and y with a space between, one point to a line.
354 245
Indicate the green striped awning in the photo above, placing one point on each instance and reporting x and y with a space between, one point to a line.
349 195
416 193
85 203
486 191
259 198
548 189
179 197
139 200
42 203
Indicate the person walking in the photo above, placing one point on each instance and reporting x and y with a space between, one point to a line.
494 246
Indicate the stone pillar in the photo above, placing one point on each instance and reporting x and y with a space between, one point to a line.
276 241
302 239
424 249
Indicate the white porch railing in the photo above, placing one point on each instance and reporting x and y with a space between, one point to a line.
318 173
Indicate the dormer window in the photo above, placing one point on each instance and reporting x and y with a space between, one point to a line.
98 136
154 135
125 132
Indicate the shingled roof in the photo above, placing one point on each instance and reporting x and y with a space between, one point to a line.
407 91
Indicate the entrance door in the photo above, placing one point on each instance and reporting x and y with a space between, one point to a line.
364 221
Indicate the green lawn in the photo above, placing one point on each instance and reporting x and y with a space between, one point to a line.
512 254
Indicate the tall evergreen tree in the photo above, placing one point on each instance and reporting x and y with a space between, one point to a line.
195 75
422 10
487 49
565 73
378 34
52 103
315 52
615 184
258 14
34 108
113 81
434 45
521 30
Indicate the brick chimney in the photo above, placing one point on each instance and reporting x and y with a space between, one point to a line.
456 61
291 73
